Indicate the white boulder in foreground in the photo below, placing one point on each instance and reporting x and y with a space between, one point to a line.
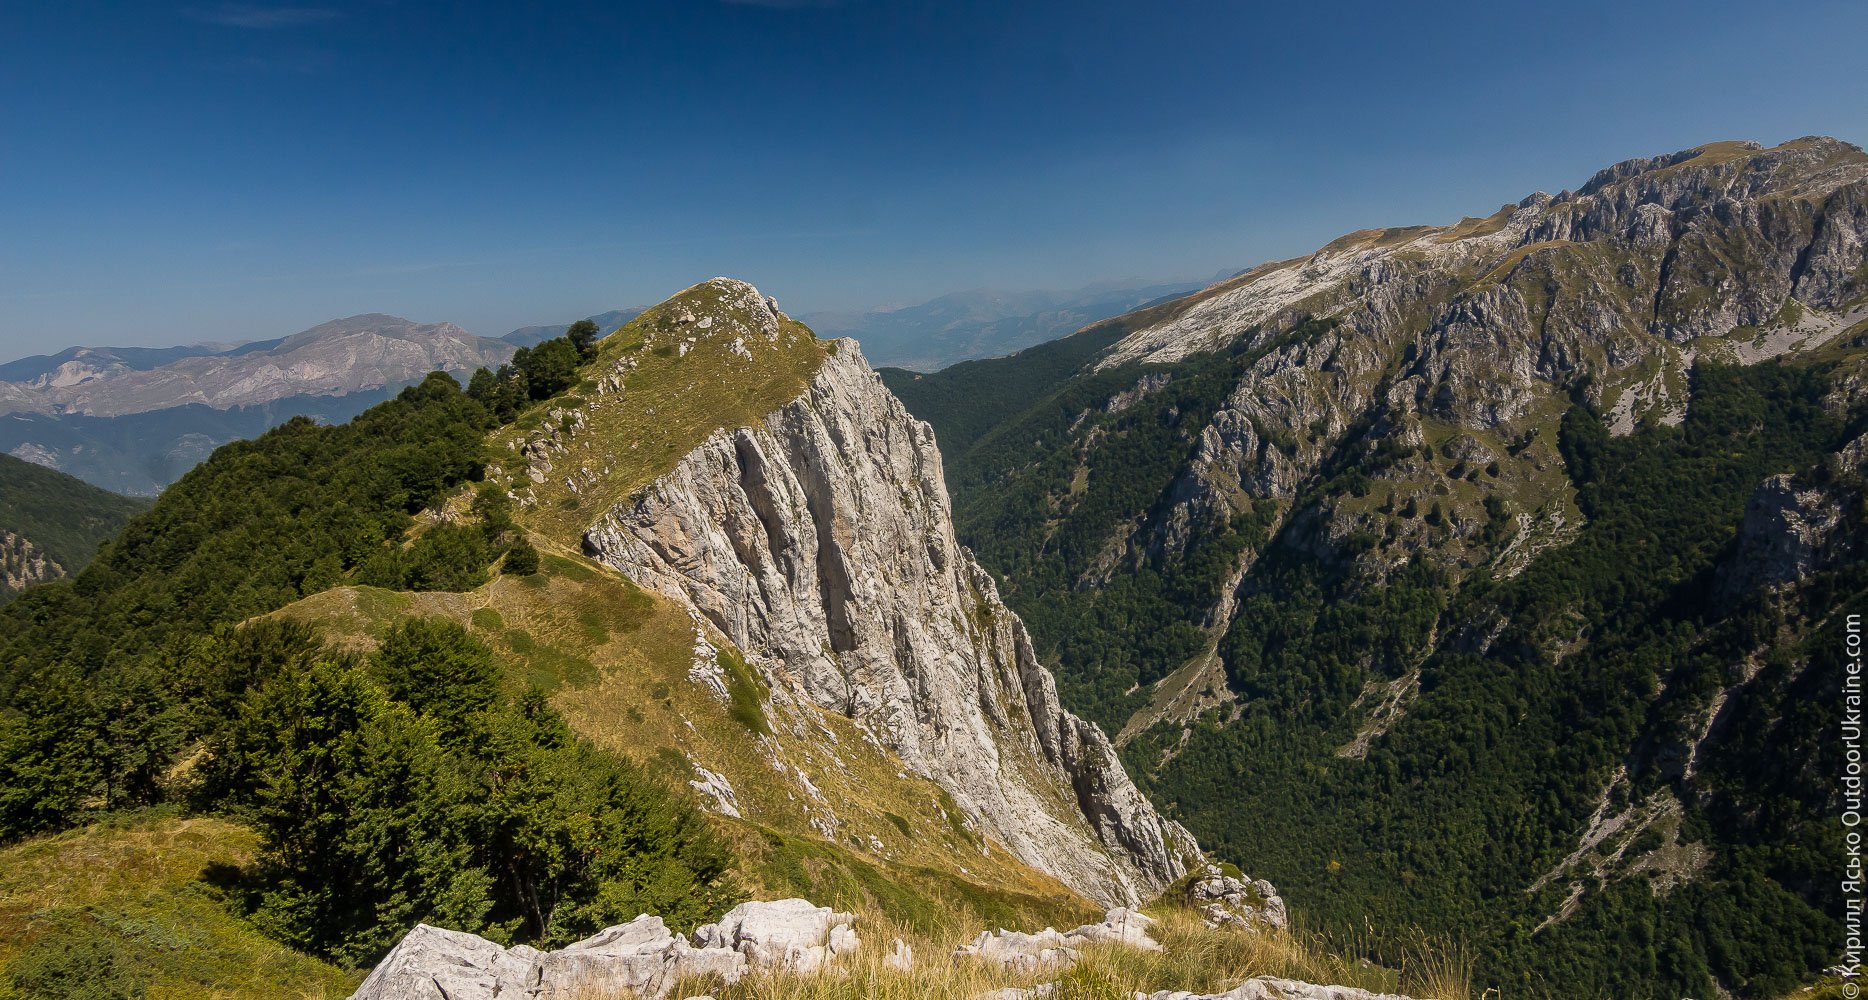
792 934
1049 947
641 956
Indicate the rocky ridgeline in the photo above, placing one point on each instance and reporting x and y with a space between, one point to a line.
642 958
819 542
1491 321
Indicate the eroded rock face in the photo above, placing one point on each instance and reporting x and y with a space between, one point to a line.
1794 529
1730 251
820 543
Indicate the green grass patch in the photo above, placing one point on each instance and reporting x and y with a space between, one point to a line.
747 694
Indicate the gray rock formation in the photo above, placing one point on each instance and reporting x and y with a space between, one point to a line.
1224 899
819 542
23 564
790 934
641 956
1050 948
1484 328
1793 529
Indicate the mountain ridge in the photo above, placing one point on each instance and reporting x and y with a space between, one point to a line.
1323 497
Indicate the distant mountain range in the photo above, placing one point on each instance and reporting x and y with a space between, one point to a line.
133 419
981 324
530 336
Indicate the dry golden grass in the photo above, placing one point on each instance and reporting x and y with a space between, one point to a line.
1194 957
146 884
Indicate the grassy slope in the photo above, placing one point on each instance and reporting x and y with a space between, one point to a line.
616 658
669 403
66 517
146 883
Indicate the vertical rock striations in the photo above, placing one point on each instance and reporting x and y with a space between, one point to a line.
819 541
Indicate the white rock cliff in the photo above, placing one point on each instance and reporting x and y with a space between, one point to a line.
820 542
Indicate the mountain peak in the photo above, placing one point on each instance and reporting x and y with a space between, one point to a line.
715 309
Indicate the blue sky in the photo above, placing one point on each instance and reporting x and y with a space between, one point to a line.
209 170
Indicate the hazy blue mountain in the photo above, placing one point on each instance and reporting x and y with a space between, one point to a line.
981 324
531 336
134 419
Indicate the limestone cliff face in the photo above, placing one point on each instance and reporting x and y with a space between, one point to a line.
1728 252
819 541
23 564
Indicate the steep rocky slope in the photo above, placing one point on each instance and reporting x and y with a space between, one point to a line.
816 539
819 542
51 524
1363 550
743 523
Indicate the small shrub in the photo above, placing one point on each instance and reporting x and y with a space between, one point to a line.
521 559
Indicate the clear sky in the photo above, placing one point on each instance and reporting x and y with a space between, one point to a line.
208 170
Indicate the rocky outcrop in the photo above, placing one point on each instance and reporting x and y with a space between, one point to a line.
819 542
23 564
1225 899
1050 948
1794 529
642 957
791 934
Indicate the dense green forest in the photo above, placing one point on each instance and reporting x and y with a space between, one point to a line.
415 784
1533 691
67 518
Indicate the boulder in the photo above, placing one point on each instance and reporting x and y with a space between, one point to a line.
1050 948
793 934
642 956
1225 899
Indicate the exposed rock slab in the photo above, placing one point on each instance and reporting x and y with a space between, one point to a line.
642 956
